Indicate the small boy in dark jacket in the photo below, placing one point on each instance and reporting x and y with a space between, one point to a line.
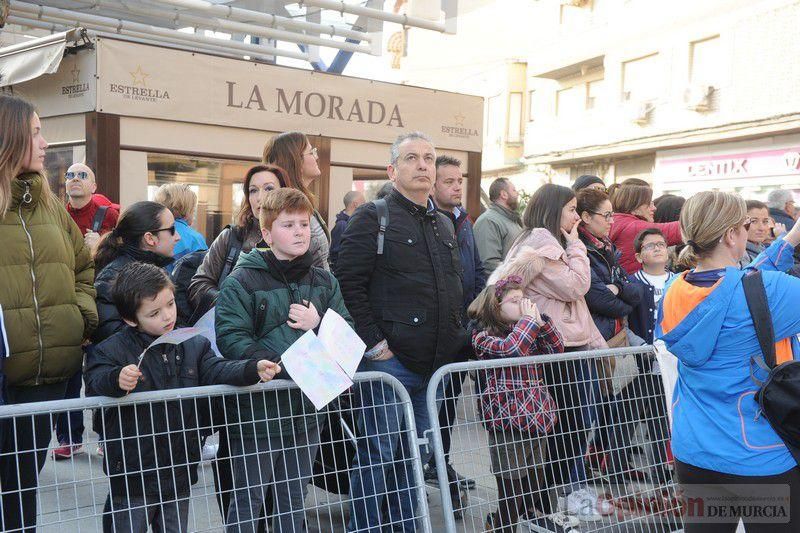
152 450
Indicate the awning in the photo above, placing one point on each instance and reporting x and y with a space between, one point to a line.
25 61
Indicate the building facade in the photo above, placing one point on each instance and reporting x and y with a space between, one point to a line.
686 95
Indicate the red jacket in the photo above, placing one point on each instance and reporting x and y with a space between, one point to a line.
624 231
84 216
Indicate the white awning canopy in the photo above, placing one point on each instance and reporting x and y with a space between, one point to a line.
26 61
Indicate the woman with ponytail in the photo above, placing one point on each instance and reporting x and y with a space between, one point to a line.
720 441
47 303
145 232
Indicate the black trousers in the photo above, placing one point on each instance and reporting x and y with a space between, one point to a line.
698 483
25 442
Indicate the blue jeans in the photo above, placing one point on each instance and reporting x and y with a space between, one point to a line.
382 472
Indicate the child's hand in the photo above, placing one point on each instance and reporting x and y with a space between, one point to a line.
267 370
302 317
129 377
528 308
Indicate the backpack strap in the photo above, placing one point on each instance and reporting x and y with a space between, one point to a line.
99 217
235 243
756 297
383 221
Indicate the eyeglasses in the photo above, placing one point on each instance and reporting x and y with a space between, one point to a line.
72 175
652 246
170 229
608 216
313 152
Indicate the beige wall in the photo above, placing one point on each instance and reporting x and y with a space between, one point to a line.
758 70
132 177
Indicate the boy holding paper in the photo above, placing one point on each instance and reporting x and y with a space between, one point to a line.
152 450
267 303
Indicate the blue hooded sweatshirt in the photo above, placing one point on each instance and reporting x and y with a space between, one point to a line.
716 425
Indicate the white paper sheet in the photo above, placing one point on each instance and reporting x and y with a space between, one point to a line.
317 374
203 327
341 342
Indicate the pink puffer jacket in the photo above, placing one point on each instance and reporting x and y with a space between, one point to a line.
558 291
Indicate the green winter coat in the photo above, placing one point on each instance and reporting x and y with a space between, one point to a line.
251 322
47 292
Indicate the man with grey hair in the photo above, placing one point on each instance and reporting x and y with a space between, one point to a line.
352 201
781 207
401 281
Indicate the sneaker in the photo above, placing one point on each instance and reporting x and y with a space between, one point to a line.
430 475
209 452
582 504
99 450
554 523
63 452
465 482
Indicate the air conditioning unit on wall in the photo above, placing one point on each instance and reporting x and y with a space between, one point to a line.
638 112
698 97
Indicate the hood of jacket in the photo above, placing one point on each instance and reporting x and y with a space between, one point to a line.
341 216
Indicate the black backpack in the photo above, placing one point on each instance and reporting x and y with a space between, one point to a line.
185 269
778 396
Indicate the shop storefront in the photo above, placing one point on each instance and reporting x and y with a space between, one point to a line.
143 115
751 168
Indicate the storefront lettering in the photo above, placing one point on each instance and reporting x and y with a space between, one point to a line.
139 93
723 167
318 105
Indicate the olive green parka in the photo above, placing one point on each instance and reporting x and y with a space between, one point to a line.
47 290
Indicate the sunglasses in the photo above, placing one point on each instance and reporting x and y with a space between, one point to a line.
72 175
170 229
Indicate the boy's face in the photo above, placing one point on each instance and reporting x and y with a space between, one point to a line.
654 251
289 236
156 316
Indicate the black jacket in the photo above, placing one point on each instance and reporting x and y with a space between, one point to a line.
154 448
605 307
411 295
342 219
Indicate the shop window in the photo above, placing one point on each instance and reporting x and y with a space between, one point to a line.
217 183
57 161
641 79
514 130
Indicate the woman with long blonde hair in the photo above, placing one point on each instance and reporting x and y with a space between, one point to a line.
720 442
47 302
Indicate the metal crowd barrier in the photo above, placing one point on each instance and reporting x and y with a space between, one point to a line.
606 459
77 494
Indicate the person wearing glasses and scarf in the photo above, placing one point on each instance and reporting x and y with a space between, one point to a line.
145 232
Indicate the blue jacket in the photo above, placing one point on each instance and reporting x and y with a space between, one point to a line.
715 422
191 241
474 274
642 321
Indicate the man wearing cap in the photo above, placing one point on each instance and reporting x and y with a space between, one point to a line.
588 181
